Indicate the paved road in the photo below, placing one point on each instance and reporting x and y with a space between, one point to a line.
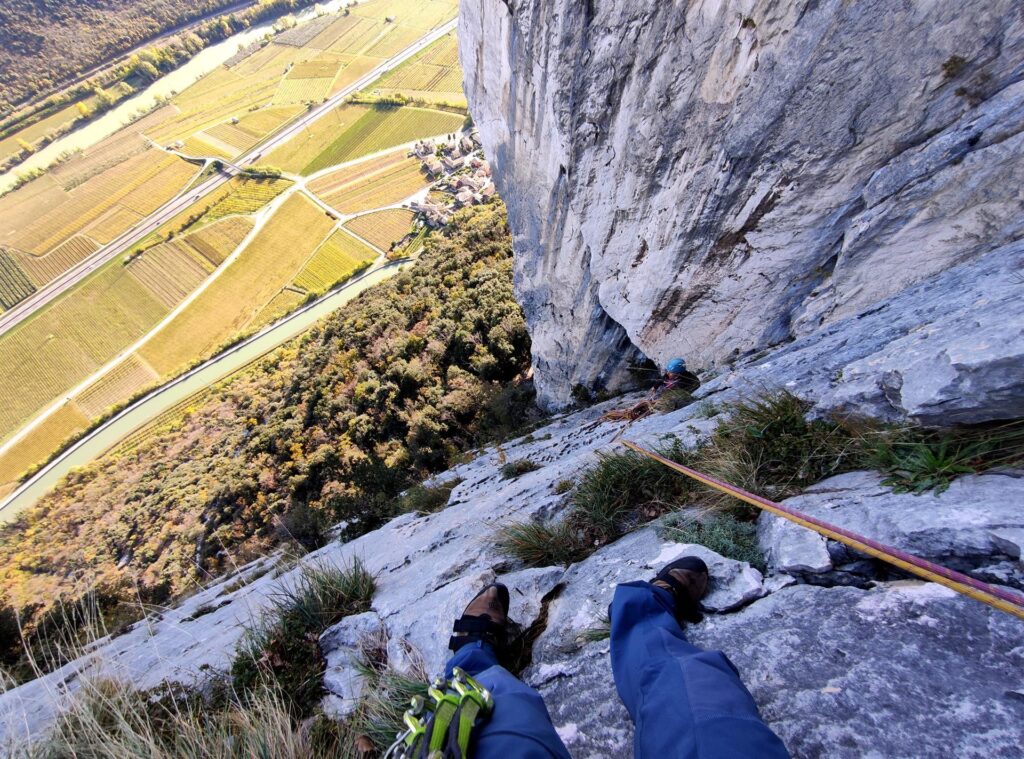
173 207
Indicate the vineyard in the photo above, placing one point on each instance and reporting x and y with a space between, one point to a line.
434 70
381 128
64 343
337 259
280 304
231 301
392 184
383 228
246 197
15 285
305 146
42 269
215 242
170 271
116 386
141 184
111 224
306 90
37 446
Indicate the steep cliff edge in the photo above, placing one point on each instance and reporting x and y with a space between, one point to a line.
708 179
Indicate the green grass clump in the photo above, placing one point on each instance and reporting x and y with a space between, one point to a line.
917 460
542 545
372 727
517 468
426 499
282 651
724 533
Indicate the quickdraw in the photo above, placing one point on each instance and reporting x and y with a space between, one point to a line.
441 727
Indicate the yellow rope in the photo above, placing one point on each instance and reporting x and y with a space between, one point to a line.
968 586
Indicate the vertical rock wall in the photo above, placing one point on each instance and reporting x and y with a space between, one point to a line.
710 178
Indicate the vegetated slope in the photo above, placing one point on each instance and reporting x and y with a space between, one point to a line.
333 426
45 43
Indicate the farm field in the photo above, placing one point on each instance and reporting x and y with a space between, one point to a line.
117 385
383 228
281 304
35 448
231 302
41 269
433 75
355 189
50 353
140 184
380 128
170 271
338 258
294 155
215 242
15 285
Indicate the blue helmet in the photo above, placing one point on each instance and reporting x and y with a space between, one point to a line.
675 366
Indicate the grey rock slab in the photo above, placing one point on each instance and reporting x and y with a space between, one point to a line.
960 526
788 547
731 584
905 669
341 646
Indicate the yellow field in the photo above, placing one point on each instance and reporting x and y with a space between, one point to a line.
372 184
42 441
381 128
306 90
170 271
260 123
15 284
433 74
41 269
339 256
281 304
141 184
116 386
309 143
117 148
382 228
232 301
247 196
215 242
60 346
112 223
421 14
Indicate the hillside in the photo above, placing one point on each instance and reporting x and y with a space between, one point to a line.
331 427
43 44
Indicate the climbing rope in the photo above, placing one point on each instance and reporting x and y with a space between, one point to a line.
995 597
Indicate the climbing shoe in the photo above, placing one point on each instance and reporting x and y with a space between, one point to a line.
486 619
687 580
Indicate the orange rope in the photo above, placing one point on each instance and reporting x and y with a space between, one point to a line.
995 597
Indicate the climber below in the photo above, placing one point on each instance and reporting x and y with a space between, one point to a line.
684 701
676 377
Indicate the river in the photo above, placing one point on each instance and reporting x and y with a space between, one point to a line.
124 113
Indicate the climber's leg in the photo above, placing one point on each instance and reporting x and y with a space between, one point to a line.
520 725
684 701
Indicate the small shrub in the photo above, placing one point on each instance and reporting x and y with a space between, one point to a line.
724 534
541 545
517 468
281 650
426 499
564 486
672 400
953 66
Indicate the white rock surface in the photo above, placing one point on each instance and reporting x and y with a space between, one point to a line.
710 178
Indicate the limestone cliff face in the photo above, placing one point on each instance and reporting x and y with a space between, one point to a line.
712 177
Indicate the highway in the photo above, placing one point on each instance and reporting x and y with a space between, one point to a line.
67 280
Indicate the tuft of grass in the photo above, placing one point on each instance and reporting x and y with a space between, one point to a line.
426 499
564 486
113 720
517 468
386 695
281 650
542 545
917 460
723 533
672 400
601 631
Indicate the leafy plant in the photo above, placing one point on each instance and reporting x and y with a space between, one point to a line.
723 533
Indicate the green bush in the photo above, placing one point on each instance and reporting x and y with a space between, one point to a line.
426 499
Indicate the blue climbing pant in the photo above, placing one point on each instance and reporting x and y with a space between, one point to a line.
686 703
